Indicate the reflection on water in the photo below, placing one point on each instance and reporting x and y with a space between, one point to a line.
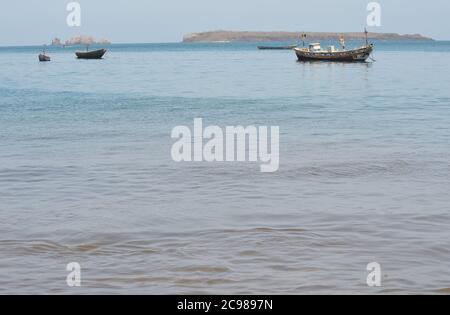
86 173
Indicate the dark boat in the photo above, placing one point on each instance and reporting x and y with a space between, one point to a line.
277 47
94 54
43 57
315 53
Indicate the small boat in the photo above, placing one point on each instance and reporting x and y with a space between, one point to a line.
277 47
316 53
94 54
43 57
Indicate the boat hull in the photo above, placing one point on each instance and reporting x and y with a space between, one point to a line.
44 58
355 55
96 54
276 47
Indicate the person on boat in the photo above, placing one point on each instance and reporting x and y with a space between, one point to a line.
302 38
342 42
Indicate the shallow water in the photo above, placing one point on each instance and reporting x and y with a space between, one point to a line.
86 173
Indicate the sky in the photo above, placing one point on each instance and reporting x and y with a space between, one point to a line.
36 22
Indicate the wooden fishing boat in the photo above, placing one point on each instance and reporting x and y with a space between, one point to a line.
44 58
94 54
315 53
277 47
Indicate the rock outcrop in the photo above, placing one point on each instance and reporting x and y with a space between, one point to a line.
80 40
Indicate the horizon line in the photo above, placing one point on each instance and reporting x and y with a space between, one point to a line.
187 43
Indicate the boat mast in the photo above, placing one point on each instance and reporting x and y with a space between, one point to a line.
367 40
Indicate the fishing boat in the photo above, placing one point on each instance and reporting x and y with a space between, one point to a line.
43 57
277 47
94 54
315 52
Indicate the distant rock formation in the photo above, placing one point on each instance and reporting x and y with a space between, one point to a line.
226 36
56 42
80 40
85 40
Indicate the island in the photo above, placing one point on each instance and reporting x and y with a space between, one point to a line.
229 36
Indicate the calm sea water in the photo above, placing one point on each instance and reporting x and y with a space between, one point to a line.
86 173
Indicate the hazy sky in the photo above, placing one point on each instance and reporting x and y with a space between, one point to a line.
25 22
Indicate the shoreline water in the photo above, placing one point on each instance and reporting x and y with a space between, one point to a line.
86 173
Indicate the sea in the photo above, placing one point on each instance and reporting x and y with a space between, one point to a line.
360 203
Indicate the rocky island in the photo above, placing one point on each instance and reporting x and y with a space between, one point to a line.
80 40
227 36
